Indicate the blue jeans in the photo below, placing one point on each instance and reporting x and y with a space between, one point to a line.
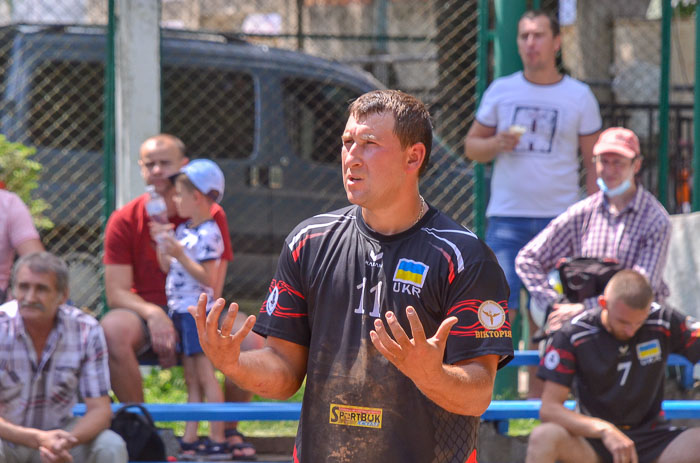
506 236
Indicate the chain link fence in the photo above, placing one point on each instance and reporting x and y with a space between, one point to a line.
616 47
261 87
51 98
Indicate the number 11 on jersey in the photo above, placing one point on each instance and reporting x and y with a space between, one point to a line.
377 290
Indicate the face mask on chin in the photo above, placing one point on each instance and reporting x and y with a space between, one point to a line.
612 192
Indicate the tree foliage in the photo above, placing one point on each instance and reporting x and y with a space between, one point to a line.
20 174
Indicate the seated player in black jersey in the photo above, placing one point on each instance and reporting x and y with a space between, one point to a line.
614 359
394 314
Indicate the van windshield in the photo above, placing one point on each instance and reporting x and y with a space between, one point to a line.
315 114
211 109
77 88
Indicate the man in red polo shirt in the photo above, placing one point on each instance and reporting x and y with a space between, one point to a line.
137 323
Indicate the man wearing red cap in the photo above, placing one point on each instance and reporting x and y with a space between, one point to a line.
622 221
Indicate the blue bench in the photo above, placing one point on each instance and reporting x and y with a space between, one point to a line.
498 410
532 357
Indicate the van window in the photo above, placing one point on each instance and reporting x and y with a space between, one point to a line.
77 88
211 110
315 115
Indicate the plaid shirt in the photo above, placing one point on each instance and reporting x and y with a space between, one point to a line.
637 237
40 392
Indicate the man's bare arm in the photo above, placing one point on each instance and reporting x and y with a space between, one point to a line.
34 438
275 371
464 388
553 410
586 143
482 143
29 246
97 418
118 282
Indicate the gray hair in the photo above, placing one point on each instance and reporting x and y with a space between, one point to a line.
44 262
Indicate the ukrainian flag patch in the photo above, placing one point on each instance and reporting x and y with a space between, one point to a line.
649 352
411 272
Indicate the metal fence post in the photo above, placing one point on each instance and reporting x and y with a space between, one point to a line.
108 190
664 92
482 73
696 119
507 61
109 138
506 58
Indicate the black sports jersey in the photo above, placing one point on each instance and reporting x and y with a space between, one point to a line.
335 277
617 381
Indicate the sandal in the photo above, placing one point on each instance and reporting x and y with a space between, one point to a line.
188 450
217 451
240 446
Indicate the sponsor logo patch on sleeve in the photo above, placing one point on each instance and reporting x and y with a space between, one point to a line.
350 415
552 359
272 299
491 315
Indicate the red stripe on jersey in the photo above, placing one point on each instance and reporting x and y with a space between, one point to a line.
294 454
295 253
450 265
286 312
286 287
563 354
566 371
471 305
472 457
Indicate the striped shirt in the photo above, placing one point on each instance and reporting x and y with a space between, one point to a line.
40 391
637 237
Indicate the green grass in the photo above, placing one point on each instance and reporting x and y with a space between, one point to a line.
168 386
521 427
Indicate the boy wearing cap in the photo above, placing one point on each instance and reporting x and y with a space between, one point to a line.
622 221
191 258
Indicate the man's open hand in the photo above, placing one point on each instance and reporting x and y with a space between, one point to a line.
418 358
221 346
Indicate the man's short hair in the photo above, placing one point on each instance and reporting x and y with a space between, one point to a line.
411 117
553 20
166 138
44 262
630 287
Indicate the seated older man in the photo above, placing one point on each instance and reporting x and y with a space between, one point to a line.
622 222
50 352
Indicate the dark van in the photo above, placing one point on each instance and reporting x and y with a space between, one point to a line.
271 118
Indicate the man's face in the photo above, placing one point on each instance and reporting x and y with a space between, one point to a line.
373 161
623 321
615 168
159 160
37 295
537 44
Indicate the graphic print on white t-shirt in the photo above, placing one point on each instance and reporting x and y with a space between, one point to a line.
541 124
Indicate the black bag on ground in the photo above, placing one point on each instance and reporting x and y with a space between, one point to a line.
139 432
584 277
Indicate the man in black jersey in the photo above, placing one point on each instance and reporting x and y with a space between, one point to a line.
614 357
395 314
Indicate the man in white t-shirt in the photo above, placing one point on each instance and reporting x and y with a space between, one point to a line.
531 125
